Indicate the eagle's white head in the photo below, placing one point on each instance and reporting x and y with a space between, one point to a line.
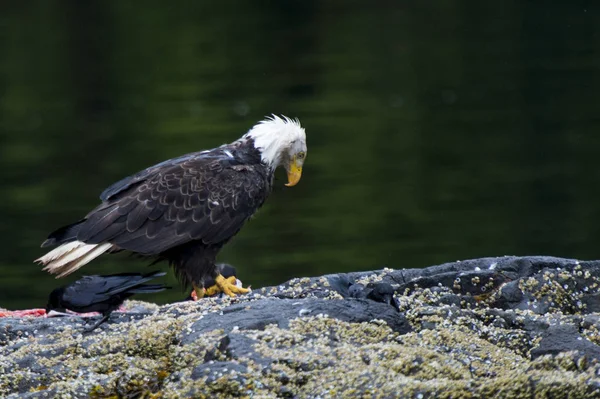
281 141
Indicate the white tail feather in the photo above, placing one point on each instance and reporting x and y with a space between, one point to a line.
69 257
72 254
59 251
91 255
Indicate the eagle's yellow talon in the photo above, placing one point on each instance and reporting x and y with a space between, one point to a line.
215 289
227 285
231 280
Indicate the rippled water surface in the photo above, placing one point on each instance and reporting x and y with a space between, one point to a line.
436 132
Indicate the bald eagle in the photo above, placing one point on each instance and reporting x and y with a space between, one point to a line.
185 209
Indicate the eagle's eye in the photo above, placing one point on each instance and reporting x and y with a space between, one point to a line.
301 155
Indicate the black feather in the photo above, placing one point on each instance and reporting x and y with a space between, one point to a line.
130 181
108 233
147 289
138 216
64 234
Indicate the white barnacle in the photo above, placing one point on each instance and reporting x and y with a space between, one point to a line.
303 312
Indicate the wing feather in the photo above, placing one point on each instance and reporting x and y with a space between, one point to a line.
98 221
205 197
139 215
108 233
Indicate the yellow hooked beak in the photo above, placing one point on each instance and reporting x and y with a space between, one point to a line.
294 172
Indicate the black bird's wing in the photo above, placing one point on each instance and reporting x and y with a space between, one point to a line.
147 288
201 196
126 282
83 293
92 290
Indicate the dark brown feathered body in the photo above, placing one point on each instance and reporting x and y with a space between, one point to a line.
182 210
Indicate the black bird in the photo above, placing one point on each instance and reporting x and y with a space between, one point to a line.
186 209
102 294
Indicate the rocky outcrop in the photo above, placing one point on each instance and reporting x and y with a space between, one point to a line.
495 327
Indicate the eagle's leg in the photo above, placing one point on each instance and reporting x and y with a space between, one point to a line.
215 289
199 291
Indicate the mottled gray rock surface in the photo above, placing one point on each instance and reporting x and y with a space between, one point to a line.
495 327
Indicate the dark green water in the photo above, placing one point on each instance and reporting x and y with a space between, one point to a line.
436 131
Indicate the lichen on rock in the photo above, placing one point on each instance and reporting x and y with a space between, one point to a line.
514 327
